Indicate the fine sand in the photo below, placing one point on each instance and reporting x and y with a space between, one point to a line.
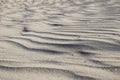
59 39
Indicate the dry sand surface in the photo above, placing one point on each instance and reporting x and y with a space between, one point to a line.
59 39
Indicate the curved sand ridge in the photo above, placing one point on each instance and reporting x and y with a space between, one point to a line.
63 40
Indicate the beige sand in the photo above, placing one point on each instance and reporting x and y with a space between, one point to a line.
59 40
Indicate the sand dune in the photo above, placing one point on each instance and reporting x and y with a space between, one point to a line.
59 40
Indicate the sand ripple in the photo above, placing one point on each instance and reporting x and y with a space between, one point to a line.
59 39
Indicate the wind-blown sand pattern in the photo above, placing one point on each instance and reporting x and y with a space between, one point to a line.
59 39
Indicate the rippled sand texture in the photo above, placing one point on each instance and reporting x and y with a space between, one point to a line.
63 40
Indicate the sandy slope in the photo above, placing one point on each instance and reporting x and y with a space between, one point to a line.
64 40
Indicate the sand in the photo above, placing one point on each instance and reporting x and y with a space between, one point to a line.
59 40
